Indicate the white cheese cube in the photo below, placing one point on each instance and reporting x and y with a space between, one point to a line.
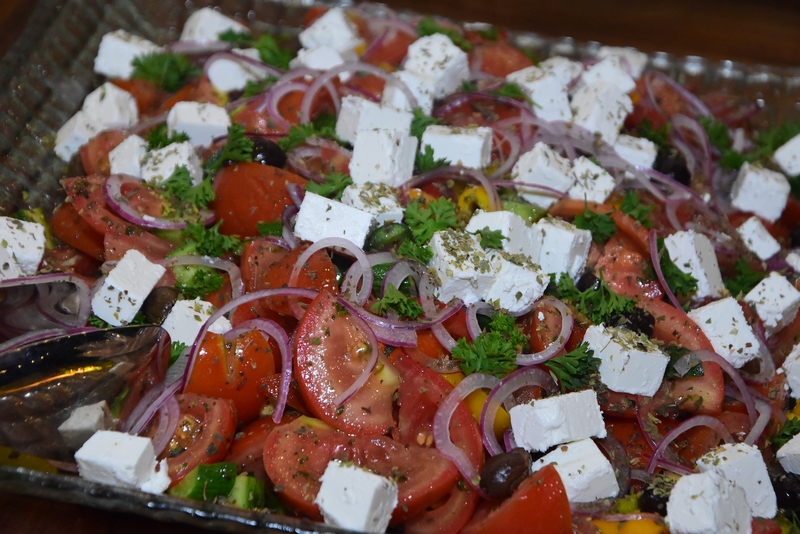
637 151
436 57
117 51
629 362
694 254
8 267
206 24
707 503
632 61
187 317
601 108
789 455
24 242
788 156
460 267
517 234
758 239
542 166
126 157
383 156
319 58
125 288
420 86
760 191
558 419
592 182
608 70
546 91
793 259
791 367
744 465
334 29
563 247
83 422
725 325
119 459
200 121
585 471
565 69
228 75
75 133
358 114
158 165
108 106
379 200
776 301
518 283
320 217
470 147
353 498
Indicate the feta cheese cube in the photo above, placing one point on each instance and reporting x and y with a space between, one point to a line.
791 367
108 106
637 151
200 121
436 57
470 147
75 133
707 503
117 51
629 362
608 70
789 455
758 239
334 29
420 86
632 61
546 91
24 242
158 165
353 498
379 200
8 267
126 157
125 288
383 156
518 283
592 182
793 259
187 317
120 459
206 24
228 75
83 422
358 114
319 58
725 325
776 301
601 108
760 191
320 217
563 247
563 68
542 166
460 267
558 419
585 471
788 156
744 465
694 254
517 234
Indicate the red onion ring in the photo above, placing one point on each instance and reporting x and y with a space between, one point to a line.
473 328
427 290
273 98
148 406
295 158
441 316
376 44
567 322
296 193
239 58
461 173
680 122
234 273
397 274
514 144
371 363
169 417
738 381
764 413
655 258
698 420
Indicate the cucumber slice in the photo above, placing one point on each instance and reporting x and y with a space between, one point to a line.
207 482
248 493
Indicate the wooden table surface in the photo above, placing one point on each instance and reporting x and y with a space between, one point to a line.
752 31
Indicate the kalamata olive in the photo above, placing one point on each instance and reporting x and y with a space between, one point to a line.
636 320
795 237
787 488
655 495
587 281
159 303
265 152
673 164
503 473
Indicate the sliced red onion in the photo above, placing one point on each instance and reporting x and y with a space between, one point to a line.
527 376
169 417
641 475
273 98
643 418
296 160
458 99
150 403
764 413
296 193
567 322
376 44
428 302
655 258
30 337
508 440
423 324
239 58
26 299
397 274
514 143
396 337
682 122
277 241
383 22
368 368
235 274
527 185
145 125
698 420
696 106
738 381
462 173
473 327
441 426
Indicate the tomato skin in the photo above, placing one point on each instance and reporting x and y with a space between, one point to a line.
674 325
448 518
498 58
390 52
94 154
330 352
540 501
249 193
68 226
701 394
257 257
247 449
147 94
70 260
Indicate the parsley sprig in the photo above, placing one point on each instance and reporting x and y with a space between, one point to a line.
238 147
789 430
175 351
679 282
207 242
490 238
425 218
601 225
159 137
322 126
598 303
181 186
421 121
511 90
333 186
274 228
394 300
632 205
745 279
660 136
574 369
424 160
268 49
428 26
494 351
420 253
202 283
167 71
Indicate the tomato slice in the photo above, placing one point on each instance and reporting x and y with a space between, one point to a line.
498 58
331 351
68 226
94 154
70 260
247 449
448 517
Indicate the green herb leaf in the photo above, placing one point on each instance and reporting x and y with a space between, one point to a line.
179 183
167 71
424 161
209 242
717 132
238 147
511 90
420 253
600 224
240 39
768 141
574 369
679 282
659 136
271 53
202 194
274 228
491 33
96 322
491 238
159 138
789 430
256 87
494 351
468 86
428 26
506 325
393 299
177 348
634 207
203 283
332 187
420 122
745 280
298 133
426 218
596 304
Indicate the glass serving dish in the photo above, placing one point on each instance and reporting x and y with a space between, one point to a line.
45 76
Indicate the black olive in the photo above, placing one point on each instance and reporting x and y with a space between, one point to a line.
265 152
587 281
787 488
503 473
795 237
159 303
654 497
673 164
636 320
